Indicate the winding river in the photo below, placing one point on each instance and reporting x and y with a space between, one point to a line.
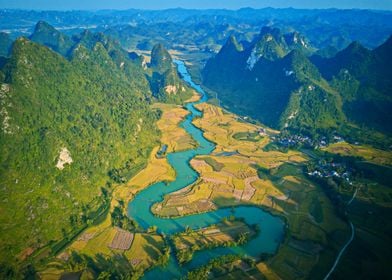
271 227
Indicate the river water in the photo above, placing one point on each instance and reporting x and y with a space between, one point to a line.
271 227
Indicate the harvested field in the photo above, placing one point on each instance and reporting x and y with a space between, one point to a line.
204 205
177 200
145 250
173 136
249 190
214 180
248 181
216 165
227 173
86 236
198 163
223 188
122 240
237 194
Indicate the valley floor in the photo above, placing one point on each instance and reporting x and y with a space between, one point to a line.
238 172
241 172
142 250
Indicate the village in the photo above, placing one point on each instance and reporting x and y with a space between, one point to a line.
299 140
324 169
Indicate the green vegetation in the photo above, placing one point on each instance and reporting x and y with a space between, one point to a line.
165 82
271 58
368 256
316 210
161 60
120 219
247 136
228 233
313 96
362 77
222 267
73 127
76 123
216 166
47 35
369 212
95 267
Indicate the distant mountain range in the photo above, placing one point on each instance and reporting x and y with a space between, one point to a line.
208 28
5 44
279 80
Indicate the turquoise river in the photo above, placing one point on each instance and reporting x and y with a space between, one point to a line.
271 227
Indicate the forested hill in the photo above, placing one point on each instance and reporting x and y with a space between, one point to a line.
166 85
75 120
279 79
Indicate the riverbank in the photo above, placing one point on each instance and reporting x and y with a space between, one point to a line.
291 194
269 179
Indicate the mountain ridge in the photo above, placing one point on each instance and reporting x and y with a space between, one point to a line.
86 112
289 88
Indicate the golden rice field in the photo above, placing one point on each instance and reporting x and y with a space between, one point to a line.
368 153
173 136
212 236
157 169
145 250
233 179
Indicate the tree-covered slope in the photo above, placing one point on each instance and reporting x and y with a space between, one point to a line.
47 35
260 80
363 78
66 126
165 82
274 81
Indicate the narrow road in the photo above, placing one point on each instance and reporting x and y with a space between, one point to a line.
347 243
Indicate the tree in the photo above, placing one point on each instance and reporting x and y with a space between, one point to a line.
152 229
117 216
104 275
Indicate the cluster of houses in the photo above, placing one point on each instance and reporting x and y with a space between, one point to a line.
294 140
331 169
262 131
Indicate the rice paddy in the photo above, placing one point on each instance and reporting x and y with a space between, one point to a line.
225 233
368 153
240 172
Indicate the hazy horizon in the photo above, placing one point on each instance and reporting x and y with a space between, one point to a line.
193 4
